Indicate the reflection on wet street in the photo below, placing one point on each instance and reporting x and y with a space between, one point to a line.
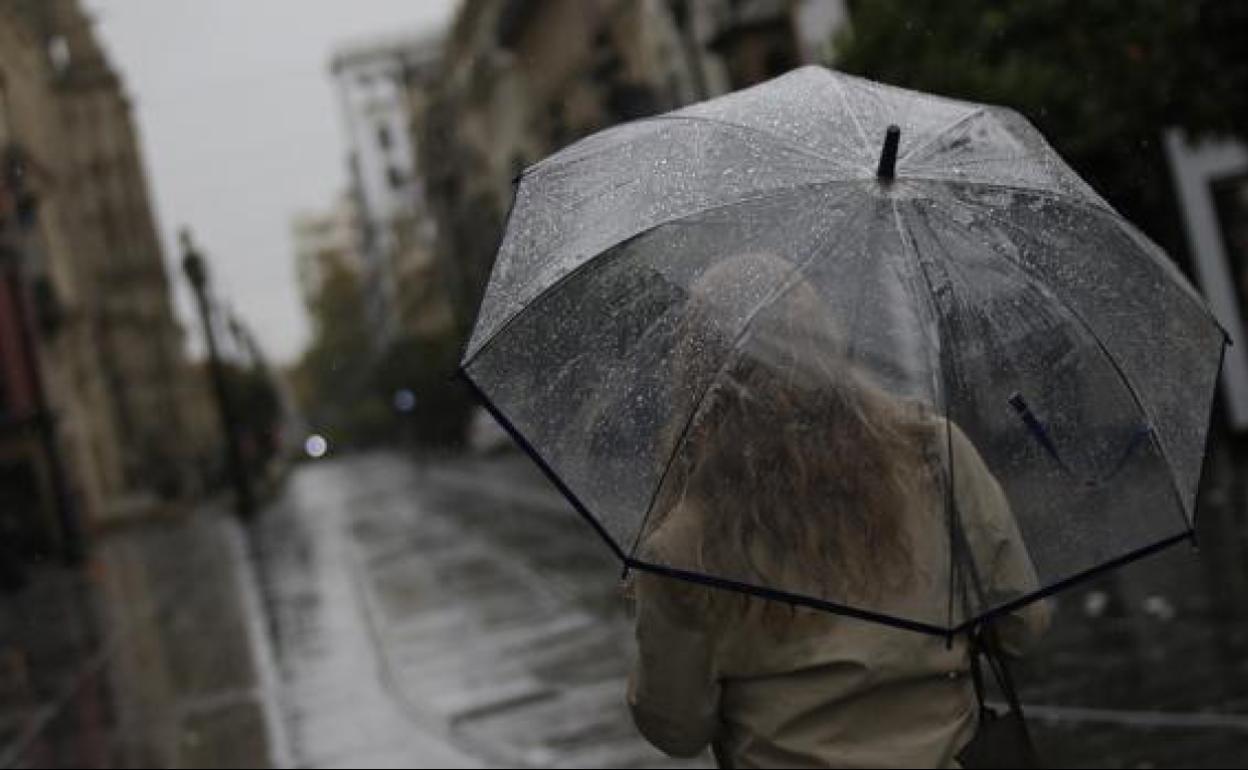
148 657
386 612
446 614
381 613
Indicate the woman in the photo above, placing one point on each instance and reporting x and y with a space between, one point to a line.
796 472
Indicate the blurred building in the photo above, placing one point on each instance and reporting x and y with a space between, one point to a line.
94 362
374 80
56 432
1211 183
141 342
750 41
521 78
325 241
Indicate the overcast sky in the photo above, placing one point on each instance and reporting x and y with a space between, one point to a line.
240 130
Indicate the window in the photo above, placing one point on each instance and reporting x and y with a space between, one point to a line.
58 53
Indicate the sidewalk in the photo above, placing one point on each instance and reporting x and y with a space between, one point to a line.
158 655
456 613
108 666
493 613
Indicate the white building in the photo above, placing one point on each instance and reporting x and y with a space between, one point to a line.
1211 179
372 79
323 240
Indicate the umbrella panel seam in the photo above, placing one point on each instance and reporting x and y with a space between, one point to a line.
1111 218
559 283
853 115
545 467
907 243
1064 583
784 597
553 163
1046 290
782 288
942 131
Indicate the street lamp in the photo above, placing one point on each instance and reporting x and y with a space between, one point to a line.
197 275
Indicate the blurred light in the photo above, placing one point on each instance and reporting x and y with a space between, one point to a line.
316 446
1095 603
1160 607
404 400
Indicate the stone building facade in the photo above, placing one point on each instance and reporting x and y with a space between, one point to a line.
522 78
56 429
140 341
376 81
325 241
100 354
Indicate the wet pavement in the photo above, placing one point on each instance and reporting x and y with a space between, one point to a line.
147 658
385 612
456 597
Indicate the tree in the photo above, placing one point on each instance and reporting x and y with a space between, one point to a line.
1100 78
423 369
350 391
333 380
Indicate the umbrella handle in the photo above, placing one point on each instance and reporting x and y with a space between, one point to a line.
1037 429
1041 434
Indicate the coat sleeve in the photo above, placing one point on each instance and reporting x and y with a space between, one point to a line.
1005 567
673 691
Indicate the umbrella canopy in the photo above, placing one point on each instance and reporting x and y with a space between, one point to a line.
771 309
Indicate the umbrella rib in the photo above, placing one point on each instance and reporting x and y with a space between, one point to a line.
1044 289
1093 209
554 162
776 138
502 419
1055 195
1065 583
862 134
783 287
774 192
942 131
774 594
907 240
998 159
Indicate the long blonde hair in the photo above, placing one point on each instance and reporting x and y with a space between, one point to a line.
796 471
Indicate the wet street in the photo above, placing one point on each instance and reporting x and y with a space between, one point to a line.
381 613
385 612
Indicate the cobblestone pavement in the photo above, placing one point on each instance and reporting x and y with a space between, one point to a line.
453 613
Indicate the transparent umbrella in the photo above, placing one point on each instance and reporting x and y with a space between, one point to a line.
890 334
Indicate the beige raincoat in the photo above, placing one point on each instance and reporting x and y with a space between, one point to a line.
830 691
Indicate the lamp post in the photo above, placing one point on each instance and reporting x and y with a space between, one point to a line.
197 274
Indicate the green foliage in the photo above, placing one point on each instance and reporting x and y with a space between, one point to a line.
442 403
346 387
257 407
332 381
1100 78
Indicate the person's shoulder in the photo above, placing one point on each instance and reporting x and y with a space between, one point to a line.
677 535
950 435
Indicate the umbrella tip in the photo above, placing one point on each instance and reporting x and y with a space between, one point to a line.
888 158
